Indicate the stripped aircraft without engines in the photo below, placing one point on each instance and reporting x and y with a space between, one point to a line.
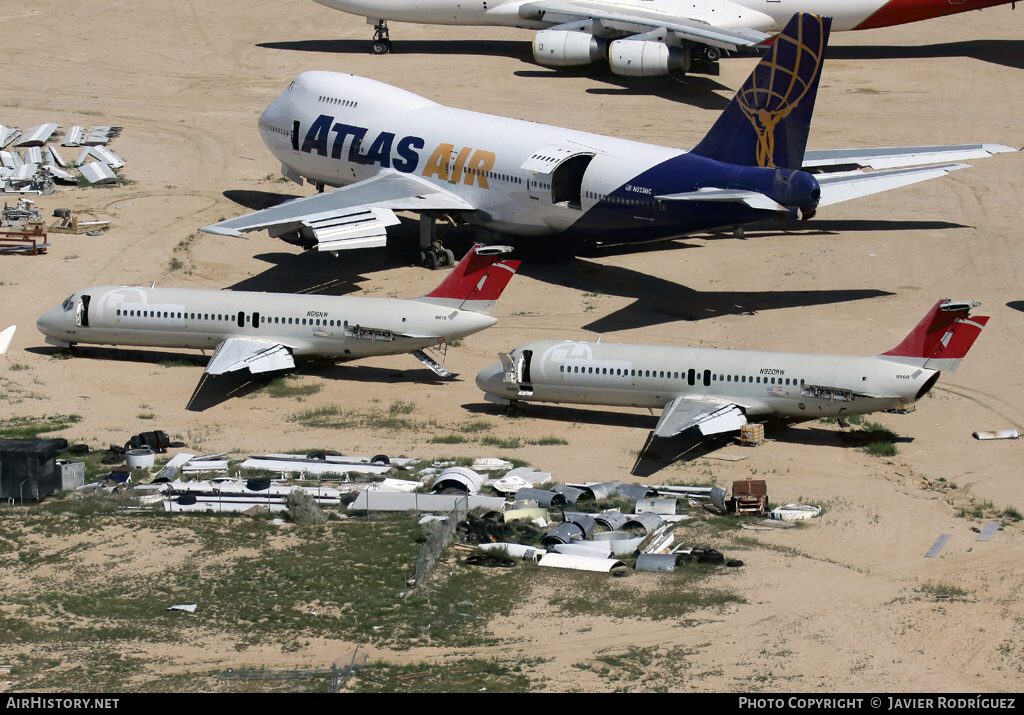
645 37
264 332
390 150
716 390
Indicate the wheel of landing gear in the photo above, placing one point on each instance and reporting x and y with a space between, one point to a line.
381 47
431 260
449 257
713 54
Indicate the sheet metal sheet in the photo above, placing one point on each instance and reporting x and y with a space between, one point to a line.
73 136
8 135
284 466
937 546
989 530
371 500
36 136
656 506
107 157
97 173
579 563
656 562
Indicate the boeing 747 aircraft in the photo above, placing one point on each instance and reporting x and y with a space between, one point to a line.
721 390
264 332
644 37
389 150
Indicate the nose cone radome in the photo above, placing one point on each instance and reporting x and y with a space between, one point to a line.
491 378
50 322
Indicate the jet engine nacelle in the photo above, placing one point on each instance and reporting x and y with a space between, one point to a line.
567 48
643 58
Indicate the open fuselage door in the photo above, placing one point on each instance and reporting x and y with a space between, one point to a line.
558 173
517 370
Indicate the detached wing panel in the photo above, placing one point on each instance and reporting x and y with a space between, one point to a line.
249 354
853 185
710 416
353 216
637 20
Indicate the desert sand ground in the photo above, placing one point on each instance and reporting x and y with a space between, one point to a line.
187 81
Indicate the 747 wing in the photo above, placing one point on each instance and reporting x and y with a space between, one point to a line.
353 216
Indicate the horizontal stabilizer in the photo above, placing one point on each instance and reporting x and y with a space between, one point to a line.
895 157
853 185
942 338
710 416
752 199
247 353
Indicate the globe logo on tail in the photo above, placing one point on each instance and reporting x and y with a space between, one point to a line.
779 83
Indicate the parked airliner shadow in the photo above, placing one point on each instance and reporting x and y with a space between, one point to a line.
257 200
572 414
213 390
659 301
694 90
1009 53
1016 305
518 49
658 453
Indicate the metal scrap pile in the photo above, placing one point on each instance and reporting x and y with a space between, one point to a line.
35 170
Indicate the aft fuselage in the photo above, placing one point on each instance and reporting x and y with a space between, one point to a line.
764 15
345 327
337 129
765 385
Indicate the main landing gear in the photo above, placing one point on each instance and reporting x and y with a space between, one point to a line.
381 40
433 254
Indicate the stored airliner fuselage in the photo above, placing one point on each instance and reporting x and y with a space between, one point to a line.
720 390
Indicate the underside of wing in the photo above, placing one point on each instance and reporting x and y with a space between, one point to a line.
353 216
853 185
634 19
249 354
894 157
753 199
709 416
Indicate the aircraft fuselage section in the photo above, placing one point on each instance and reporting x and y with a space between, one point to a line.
339 129
789 386
345 327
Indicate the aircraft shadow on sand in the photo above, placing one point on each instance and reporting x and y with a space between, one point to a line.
658 301
700 91
1016 305
1009 53
517 49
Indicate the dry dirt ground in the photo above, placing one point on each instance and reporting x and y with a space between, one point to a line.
840 607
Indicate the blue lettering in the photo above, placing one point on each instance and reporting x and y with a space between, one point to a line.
343 131
380 150
316 137
407 150
357 142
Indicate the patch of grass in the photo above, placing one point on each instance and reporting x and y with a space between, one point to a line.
17 366
942 591
30 427
1012 513
547 441
510 443
460 676
475 426
448 439
290 386
881 449
145 416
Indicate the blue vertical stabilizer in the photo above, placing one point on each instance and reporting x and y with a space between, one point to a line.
768 120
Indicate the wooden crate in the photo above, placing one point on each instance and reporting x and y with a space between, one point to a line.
751 435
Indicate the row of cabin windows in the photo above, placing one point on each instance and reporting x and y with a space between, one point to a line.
267 126
339 102
277 320
625 201
622 372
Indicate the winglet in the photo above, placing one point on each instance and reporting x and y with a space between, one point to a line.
476 282
942 338
768 120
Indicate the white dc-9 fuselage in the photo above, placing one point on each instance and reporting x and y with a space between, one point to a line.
308 325
765 384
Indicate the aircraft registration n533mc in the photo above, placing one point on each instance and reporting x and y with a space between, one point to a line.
719 390
264 332
644 37
391 150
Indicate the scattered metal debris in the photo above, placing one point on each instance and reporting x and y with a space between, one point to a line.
998 434
989 530
579 563
937 546
795 512
189 607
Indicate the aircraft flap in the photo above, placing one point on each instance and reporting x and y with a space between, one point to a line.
710 416
896 157
376 198
248 353
852 185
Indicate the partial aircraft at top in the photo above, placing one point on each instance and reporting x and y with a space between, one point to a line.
645 37
390 150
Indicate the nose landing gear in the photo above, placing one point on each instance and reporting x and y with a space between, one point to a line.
381 40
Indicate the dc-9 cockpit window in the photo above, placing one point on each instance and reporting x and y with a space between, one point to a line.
69 302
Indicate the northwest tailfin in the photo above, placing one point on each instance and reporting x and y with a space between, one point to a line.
941 340
476 282
768 120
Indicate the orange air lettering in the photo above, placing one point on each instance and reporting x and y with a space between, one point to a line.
460 161
437 164
479 164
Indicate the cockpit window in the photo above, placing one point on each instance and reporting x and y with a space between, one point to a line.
69 302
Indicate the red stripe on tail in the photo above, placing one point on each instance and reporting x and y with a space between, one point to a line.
480 275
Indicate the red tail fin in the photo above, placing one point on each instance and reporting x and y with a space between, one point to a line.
477 282
942 338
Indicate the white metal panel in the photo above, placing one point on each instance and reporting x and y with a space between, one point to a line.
73 137
36 136
34 155
8 135
579 563
97 173
107 157
286 466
